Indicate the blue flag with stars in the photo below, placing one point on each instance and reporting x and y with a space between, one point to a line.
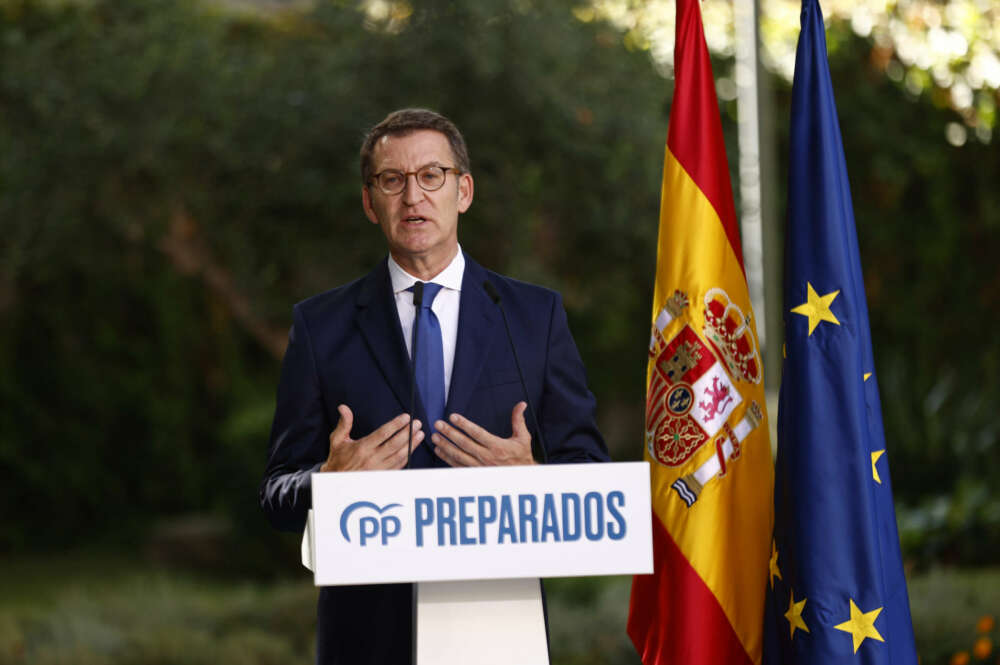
836 590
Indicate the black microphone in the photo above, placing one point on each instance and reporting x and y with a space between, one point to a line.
418 301
494 295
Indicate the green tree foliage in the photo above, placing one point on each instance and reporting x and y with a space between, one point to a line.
174 177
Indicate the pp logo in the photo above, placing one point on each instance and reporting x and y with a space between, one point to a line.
378 525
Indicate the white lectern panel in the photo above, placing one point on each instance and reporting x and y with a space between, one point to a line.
484 523
486 622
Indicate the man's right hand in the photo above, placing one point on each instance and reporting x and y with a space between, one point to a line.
385 448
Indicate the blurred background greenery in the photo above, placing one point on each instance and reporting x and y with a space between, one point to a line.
175 174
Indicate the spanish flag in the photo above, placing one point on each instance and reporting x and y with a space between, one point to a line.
706 425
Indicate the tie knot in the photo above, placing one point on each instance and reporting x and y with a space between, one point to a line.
430 292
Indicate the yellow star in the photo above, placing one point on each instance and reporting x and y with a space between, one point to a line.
817 307
773 565
868 375
794 614
875 456
861 625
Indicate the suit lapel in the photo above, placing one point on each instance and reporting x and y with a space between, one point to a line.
478 323
378 321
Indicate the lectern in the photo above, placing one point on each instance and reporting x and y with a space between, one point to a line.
475 542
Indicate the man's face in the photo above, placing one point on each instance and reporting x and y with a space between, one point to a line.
420 227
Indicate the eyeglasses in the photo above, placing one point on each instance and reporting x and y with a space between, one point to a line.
430 178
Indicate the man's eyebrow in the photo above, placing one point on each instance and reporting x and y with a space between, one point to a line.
430 163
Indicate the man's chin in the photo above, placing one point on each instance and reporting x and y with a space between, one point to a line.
414 249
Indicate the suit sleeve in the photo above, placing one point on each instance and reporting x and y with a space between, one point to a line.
299 434
567 414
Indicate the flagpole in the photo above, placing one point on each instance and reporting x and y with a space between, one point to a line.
759 226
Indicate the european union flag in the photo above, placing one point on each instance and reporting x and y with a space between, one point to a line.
837 593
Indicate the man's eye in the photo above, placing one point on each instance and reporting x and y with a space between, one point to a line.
391 179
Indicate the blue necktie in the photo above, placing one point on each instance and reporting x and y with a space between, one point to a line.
429 357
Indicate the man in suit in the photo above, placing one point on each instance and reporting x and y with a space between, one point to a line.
344 391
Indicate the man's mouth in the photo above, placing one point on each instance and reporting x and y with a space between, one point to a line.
414 219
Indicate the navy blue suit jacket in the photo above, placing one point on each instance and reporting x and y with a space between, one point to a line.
346 347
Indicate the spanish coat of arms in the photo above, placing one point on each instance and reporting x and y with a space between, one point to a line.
692 388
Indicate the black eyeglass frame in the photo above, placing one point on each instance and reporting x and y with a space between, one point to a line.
374 179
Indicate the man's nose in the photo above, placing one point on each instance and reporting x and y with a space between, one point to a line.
412 193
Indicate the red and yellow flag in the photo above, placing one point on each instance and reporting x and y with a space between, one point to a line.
706 424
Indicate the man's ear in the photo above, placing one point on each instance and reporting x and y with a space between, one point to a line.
366 203
465 191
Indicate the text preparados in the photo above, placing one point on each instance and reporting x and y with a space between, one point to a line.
521 518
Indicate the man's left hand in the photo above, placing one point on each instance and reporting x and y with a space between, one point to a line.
467 444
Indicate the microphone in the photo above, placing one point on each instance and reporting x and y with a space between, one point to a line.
418 301
494 295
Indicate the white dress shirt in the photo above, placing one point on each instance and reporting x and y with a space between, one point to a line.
445 307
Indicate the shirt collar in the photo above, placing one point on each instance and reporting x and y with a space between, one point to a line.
449 278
